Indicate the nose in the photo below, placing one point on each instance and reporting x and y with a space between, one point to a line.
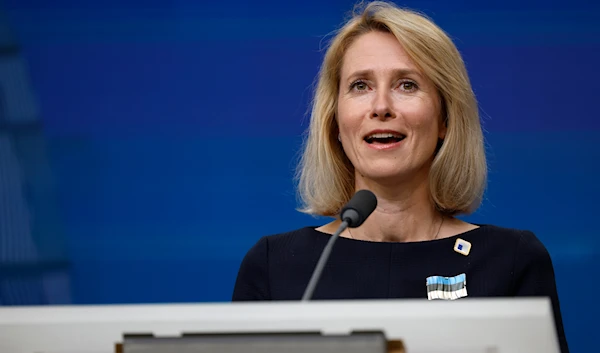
382 107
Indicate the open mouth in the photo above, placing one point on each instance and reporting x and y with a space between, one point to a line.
385 138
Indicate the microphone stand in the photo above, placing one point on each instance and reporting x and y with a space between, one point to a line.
322 261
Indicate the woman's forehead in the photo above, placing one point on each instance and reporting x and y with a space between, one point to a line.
376 52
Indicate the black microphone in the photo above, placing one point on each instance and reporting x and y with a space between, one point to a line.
353 214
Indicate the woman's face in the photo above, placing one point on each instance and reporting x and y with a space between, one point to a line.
388 112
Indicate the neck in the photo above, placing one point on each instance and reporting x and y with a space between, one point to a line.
405 213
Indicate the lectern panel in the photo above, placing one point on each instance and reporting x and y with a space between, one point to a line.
259 343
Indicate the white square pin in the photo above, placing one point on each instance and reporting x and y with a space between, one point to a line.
462 246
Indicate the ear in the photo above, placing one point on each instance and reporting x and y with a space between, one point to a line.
443 128
335 130
443 119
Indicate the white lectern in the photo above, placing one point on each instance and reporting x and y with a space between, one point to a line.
512 325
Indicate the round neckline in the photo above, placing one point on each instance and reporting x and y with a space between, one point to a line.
469 232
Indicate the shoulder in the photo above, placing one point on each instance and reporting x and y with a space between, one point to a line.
528 252
302 235
275 243
519 247
506 232
519 239
267 255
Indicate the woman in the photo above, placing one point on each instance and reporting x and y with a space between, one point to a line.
394 113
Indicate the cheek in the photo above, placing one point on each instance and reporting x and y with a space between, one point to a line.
348 116
423 116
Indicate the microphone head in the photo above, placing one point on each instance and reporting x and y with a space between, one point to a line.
356 211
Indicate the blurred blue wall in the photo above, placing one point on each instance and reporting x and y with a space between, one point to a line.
163 119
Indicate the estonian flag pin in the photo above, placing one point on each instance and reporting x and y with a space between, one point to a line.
462 246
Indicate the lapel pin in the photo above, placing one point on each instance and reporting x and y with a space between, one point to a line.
462 246
447 288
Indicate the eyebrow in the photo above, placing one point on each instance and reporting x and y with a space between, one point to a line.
395 72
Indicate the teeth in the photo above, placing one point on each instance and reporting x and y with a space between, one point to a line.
383 136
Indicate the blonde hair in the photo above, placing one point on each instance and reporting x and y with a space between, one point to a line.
458 173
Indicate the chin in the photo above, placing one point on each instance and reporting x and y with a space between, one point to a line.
385 176
388 173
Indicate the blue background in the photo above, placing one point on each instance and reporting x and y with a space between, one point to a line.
172 129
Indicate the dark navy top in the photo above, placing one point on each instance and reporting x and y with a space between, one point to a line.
502 262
